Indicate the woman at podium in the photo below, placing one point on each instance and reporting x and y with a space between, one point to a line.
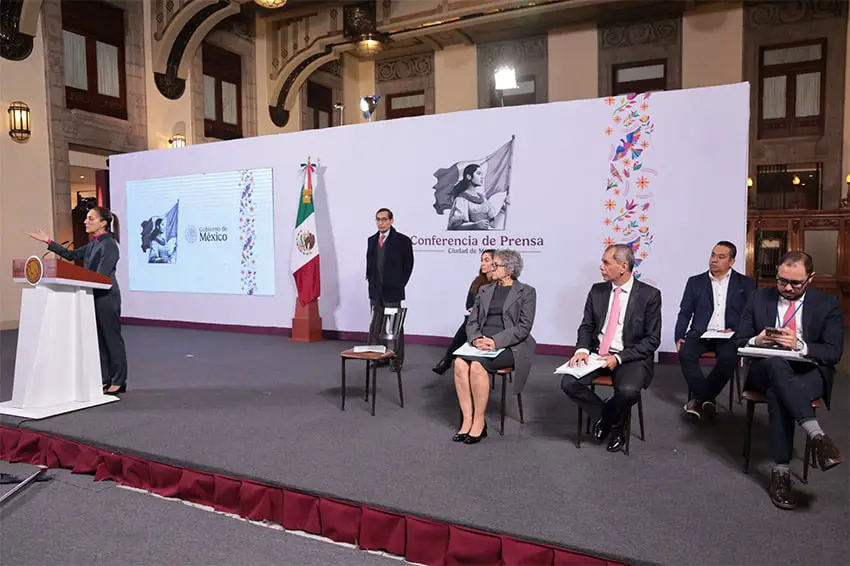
101 254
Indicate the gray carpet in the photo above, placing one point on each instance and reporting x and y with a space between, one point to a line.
264 407
73 520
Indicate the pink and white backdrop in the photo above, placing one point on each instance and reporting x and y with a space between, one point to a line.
665 173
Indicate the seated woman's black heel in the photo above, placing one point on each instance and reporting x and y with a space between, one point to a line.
476 439
460 437
442 367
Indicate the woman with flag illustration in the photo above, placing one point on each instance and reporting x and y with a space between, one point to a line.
101 254
471 209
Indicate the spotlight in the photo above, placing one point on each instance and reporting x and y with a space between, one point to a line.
505 78
368 105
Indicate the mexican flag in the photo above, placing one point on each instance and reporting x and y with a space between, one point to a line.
304 258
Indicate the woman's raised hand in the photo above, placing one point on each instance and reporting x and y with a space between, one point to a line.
40 236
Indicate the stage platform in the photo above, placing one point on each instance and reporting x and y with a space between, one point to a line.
264 408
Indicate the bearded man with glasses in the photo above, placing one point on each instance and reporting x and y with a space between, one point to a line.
792 316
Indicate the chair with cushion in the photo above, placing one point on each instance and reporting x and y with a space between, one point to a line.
754 398
373 359
607 381
507 376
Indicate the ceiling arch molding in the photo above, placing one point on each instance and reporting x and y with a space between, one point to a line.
293 77
182 38
18 28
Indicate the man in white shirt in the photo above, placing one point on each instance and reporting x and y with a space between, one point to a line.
712 301
791 316
621 323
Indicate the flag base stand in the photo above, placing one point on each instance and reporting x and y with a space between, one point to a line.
307 325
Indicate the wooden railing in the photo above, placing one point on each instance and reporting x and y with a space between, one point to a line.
824 234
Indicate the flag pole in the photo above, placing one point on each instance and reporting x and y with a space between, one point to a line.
306 323
508 191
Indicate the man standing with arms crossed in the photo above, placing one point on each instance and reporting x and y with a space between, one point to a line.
389 265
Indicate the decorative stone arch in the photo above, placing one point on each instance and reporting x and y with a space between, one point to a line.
179 41
293 77
18 28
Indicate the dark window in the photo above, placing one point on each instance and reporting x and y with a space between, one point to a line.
791 83
406 104
93 37
222 93
524 93
783 187
635 78
319 107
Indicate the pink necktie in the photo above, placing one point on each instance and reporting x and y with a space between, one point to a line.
613 320
381 240
790 321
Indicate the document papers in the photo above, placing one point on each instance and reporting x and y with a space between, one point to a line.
470 350
594 362
374 349
717 335
756 352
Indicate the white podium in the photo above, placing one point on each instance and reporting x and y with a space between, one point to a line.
57 365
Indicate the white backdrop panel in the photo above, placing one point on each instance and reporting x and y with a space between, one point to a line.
573 174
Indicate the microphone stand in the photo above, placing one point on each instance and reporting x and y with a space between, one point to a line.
63 244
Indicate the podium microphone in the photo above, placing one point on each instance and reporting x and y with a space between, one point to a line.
65 243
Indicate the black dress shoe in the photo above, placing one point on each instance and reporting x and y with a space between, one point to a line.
460 437
442 367
826 453
601 429
618 440
709 409
476 439
780 490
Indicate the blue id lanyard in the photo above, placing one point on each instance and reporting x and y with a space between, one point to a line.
779 322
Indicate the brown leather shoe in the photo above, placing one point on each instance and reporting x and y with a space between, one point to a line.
826 452
780 490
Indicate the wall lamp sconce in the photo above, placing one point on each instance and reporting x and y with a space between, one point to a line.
340 108
177 140
368 105
19 121
749 181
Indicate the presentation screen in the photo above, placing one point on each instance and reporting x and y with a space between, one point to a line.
204 233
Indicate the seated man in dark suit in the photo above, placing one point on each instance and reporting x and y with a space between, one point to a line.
793 317
713 300
622 322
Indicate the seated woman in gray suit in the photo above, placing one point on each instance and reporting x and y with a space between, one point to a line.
484 275
501 319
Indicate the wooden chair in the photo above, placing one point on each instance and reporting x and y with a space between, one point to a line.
608 381
507 376
373 359
736 378
753 398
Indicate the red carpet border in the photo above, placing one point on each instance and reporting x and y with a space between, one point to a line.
416 539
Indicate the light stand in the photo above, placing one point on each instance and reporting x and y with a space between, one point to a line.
8 478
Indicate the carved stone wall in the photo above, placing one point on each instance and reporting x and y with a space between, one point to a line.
635 42
778 23
401 75
529 56
83 128
243 45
